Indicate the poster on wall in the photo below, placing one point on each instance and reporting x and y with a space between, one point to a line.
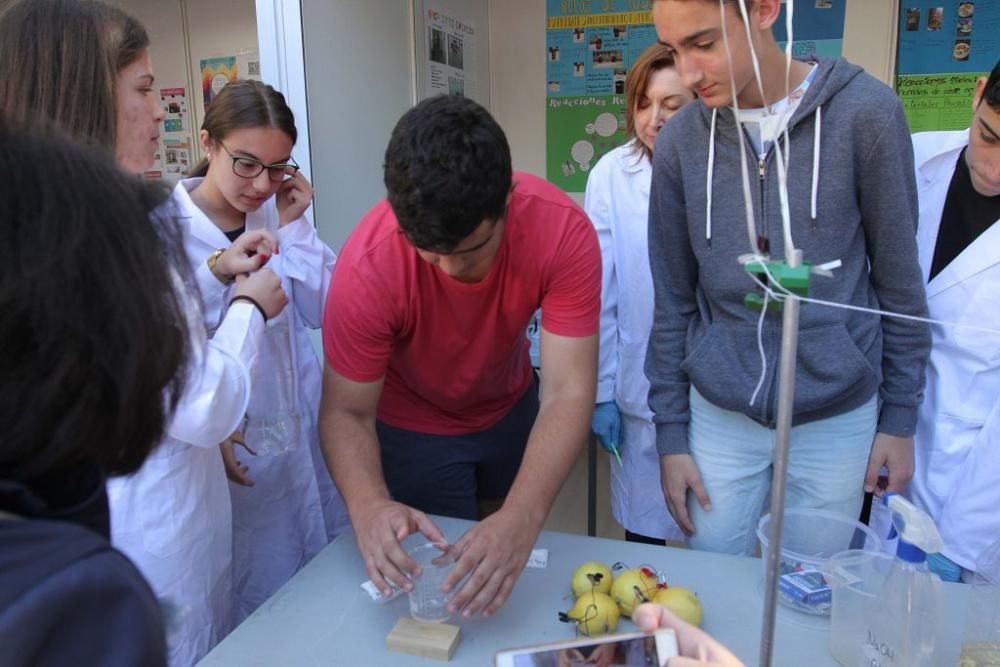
176 156
451 49
248 65
944 46
590 45
174 103
215 74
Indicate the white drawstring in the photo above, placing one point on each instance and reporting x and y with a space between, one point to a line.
708 184
747 197
815 175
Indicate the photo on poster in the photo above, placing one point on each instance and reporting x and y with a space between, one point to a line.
456 85
963 27
824 4
456 53
935 15
578 68
609 58
437 53
554 53
961 49
966 9
619 32
578 34
913 19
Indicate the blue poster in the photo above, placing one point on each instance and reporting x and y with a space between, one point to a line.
590 46
948 36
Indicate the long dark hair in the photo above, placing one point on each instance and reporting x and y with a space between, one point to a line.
94 329
246 103
59 60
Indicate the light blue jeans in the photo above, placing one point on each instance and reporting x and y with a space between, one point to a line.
827 460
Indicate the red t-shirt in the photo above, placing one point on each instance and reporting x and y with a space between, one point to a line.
455 355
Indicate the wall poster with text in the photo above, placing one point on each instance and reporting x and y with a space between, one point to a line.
944 46
590 46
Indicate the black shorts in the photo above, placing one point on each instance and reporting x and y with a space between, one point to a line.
448 474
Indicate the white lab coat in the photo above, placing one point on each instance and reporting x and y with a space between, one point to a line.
617 201
293 509
957 477
172 518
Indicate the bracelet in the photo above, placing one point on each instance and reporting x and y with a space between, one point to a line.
211 261
250 299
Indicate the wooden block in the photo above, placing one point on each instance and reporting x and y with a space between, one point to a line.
428 640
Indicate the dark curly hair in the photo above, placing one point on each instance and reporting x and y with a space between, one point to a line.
991 93
94 333
447 169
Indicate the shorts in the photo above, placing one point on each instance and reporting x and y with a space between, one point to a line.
449 474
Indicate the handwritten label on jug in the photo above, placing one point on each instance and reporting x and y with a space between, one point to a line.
877 653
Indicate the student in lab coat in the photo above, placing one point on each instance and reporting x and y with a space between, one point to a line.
92 77
248 181
617 201
957 476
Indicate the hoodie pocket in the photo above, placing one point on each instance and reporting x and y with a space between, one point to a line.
829 368
725 366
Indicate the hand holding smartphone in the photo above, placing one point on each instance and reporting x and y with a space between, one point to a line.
633 649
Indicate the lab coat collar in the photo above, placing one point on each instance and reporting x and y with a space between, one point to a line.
936 173
632 160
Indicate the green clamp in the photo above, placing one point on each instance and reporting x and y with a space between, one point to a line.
794 279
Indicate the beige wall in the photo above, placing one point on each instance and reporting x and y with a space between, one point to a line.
518 43
216 28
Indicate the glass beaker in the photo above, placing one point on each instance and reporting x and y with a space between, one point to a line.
428 603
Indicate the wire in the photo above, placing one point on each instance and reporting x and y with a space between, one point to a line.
785 294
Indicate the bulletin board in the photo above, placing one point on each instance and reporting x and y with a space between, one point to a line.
944 46
590 46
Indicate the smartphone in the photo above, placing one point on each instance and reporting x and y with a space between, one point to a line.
633 649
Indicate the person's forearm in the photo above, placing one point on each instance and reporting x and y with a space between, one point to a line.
350 448
560 431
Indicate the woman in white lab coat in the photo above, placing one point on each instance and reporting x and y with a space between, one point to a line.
617 201
957 463
248 181
92 78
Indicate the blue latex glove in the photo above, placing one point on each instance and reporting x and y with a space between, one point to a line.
607 426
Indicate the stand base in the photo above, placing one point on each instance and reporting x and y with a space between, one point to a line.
428 640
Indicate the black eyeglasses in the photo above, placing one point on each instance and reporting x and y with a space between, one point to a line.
248 167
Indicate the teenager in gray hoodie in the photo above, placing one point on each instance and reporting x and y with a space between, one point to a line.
851 197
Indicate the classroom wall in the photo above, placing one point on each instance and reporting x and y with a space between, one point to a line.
518 39
211 29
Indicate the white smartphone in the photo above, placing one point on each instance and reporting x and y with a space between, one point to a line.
632 649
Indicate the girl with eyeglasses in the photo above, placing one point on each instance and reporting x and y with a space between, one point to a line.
285 507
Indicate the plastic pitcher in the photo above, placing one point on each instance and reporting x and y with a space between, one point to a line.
856 578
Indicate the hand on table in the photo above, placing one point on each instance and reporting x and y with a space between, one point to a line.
235 471
380 527
896 454
494 553
678 473
695 646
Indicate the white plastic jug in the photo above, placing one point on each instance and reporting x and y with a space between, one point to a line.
856 577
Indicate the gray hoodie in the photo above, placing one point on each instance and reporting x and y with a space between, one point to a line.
865 202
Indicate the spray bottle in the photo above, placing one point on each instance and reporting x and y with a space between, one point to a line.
902 620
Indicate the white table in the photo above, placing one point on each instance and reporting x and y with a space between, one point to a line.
323 617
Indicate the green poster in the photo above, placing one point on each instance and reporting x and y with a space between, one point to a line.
937 101
581 130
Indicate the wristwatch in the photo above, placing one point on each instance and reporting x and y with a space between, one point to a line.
211 261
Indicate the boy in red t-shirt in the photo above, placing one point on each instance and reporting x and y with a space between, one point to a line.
429 401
